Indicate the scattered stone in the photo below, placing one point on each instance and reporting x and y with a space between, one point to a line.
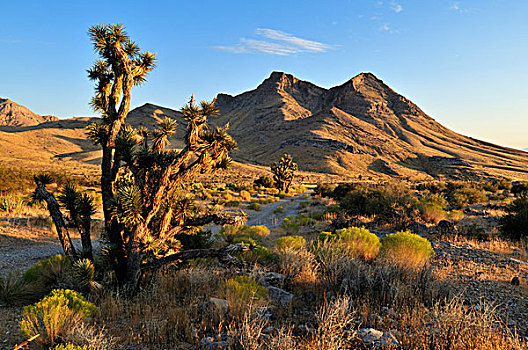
375 338
417 227
209 343
265 314
280 296
272 279
220 305
309 296
516 281
445 227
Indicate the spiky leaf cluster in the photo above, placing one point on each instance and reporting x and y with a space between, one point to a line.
284 172
121 65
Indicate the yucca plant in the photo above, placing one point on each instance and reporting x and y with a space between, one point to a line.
144 203
283 172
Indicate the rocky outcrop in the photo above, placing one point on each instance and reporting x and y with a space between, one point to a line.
13 114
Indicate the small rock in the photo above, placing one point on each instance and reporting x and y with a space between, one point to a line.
516 281
273 279
309 296
375 338
208 343
265 314
280 296
417 227
220 305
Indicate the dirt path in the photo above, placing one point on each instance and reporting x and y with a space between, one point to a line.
267 216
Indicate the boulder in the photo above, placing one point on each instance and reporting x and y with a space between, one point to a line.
374 338
280 296
272 279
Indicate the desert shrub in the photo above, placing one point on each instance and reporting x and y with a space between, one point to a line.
389 203
254 206
231 233
474 230
289 225
290 243
519 188
232 203
258 254
455 215
279 210
50 272
304 204
515 223
406 249
324 190
460 194
70 346
357 242
431 212
264 181
304 220
15 291
244 289
11 203
197 240
55 316
245 195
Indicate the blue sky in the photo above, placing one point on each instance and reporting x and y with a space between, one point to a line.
465 63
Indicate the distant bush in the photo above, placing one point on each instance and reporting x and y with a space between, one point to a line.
406 249
357 242
519 188
244 289
254 206
515 223
324 190
461 194
11 203
265 181
290 243
70 346
289 225
232 203
432 208
389 203
197 240
55 316
279 209
230 232
245 195
258 254
455 215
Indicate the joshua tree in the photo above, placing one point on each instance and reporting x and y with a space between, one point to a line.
283 172
142 181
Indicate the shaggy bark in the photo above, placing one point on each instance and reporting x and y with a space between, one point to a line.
58 220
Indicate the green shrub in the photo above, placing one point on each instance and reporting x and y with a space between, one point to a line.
55 316
304 204
406 249
290 243
254 206
70 346
265 181
515 223
244 289
460 194
232 203
279 210
324 190
15 291
455 215
258 254
289 225
231 233
432 212
49 272
357 242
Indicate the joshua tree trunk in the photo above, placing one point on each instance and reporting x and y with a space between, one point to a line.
58 220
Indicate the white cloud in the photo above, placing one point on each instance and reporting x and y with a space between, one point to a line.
275 42
385 28
396 7
456 7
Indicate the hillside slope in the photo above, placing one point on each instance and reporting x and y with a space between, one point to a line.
13 114
359 127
